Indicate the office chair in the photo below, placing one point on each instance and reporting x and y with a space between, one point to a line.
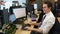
56 28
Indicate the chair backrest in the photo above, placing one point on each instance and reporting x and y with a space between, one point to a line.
56 27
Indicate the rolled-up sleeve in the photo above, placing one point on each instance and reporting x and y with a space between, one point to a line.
47 25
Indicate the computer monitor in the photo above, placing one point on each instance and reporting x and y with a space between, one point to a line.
19 12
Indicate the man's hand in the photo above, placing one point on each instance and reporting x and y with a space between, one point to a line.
28 28
37 24
34 29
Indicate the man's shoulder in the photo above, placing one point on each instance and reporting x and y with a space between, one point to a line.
51 16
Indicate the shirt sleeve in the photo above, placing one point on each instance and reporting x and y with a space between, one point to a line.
47 25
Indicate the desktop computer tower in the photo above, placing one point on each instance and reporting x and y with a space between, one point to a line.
4 17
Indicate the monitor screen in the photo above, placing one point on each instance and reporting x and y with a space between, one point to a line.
35 6
19 12
12 18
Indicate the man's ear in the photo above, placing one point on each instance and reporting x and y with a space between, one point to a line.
50 7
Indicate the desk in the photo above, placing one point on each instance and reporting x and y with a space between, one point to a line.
0 30
20 31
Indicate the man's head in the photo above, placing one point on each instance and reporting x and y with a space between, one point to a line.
47 7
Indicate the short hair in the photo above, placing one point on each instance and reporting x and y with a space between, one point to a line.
32 0
48 3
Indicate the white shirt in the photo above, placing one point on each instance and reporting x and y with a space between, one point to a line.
48 23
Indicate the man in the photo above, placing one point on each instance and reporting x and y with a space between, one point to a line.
48 21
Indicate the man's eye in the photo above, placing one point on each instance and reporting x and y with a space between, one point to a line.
44 7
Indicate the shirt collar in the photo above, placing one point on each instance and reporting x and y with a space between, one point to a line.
48 13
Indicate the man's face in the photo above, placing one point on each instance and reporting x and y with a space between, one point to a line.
45 8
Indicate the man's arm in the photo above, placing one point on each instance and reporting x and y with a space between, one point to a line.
38 30
45 28
37 24
34 29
